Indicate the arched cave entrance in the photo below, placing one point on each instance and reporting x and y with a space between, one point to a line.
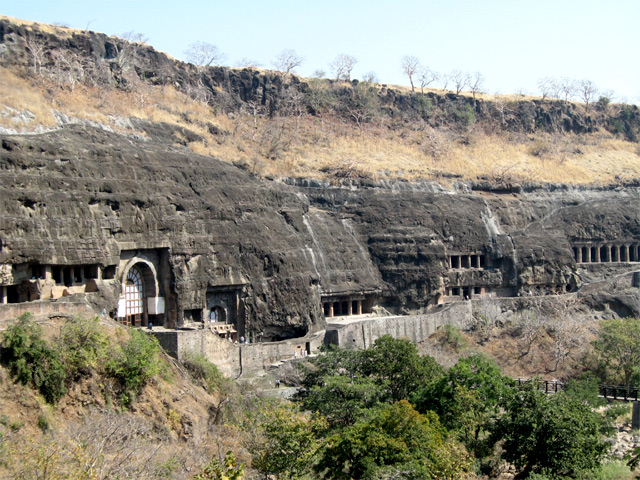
218 314
134 296
139 286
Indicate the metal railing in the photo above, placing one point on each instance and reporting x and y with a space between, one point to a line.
610 392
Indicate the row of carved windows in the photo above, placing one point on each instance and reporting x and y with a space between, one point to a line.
466 261
607 253
341 308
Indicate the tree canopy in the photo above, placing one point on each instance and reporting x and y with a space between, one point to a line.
618 350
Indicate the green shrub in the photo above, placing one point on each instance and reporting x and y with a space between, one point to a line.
16 425
83 346
201 368
229 469
31 361
465 116
615 471
135 363
451 337
44 422
585 388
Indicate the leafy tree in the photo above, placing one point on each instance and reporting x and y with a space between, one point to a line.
363 105
554 434
618 349
319 97
394 439
333 361
467 399
396 366
202 368
343 399
586 389
30 359
288 443
344 384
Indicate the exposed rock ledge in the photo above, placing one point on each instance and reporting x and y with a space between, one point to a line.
84 208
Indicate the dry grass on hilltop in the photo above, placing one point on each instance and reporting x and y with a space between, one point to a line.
330 147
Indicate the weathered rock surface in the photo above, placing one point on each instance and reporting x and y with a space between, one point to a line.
79 196
85 196
82 205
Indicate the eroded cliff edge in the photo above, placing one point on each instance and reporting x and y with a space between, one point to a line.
82 208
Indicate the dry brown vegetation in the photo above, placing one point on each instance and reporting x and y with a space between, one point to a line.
327 146
549 338
173 428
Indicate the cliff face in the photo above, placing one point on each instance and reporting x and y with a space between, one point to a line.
275 255
526 239
113 61
81 196
153 233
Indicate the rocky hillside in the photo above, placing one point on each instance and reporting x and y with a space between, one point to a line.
276 124
85 196
91 196
111 59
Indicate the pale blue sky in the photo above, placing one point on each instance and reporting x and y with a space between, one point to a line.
513 43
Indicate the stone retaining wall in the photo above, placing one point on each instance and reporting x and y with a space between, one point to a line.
246 359
363 333
10 311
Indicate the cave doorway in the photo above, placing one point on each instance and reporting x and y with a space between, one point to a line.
139 293
217 314
134 296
